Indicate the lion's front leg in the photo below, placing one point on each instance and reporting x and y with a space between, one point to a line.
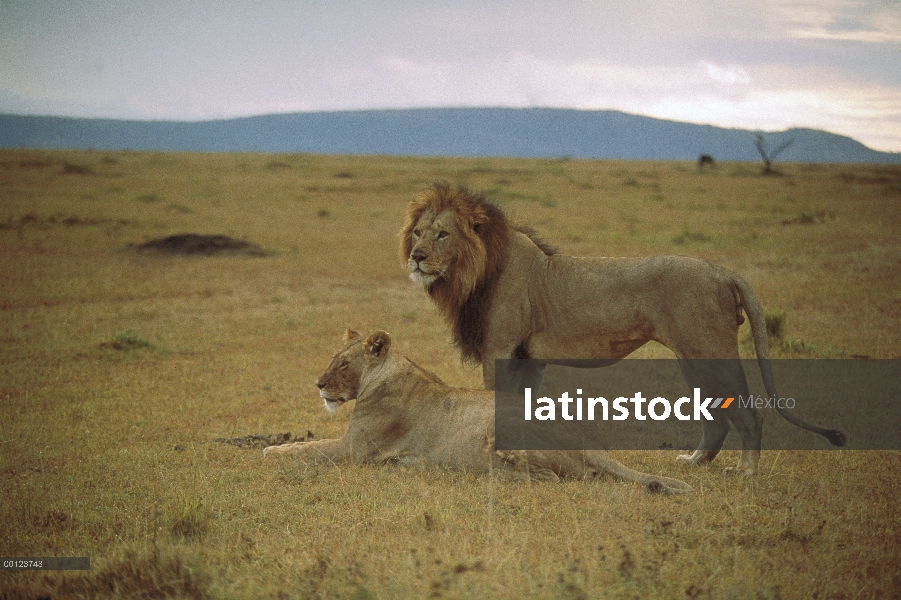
713 433
747 465
488 373
318 452
516 376
698 457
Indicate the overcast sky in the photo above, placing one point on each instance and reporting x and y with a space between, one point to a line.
756 64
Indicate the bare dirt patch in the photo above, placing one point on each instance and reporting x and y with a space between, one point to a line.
262 440
200 244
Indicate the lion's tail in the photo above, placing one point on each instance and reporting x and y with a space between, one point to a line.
761 345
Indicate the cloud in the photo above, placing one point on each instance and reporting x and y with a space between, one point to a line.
731 75
842 21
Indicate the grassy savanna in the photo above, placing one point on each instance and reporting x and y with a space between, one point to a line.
120 369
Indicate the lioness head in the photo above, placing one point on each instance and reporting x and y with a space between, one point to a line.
442 241
341 380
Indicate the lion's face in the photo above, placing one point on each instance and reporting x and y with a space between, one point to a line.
341 380
435 244
442 243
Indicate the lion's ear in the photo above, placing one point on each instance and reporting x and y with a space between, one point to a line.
478 219
351 335
378 343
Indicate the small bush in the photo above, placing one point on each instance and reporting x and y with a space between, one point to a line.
775 324
73 169
127 342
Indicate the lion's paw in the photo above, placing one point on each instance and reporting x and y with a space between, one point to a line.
740 471
272 450
690 459
514 457
700 457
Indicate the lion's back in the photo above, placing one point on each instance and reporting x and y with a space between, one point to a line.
454 427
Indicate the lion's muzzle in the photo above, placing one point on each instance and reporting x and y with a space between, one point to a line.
419 270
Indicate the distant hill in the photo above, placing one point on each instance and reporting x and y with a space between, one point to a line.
533 132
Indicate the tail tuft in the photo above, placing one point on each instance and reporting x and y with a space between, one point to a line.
836 437
654 487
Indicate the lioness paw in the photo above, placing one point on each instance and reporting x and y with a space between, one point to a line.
274 450
514 457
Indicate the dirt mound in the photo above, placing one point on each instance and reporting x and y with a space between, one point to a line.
261 440
207 245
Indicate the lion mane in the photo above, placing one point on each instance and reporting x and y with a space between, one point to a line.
464 297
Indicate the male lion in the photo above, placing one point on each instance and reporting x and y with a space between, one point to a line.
407 415
508 295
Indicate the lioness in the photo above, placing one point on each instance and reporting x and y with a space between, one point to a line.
405 414
509 295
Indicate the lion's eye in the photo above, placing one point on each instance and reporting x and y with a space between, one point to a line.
343 365
442 235
417 233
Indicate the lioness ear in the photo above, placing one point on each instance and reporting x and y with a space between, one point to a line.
378 343
351 335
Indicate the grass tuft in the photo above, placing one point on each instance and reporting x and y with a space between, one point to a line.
192 520
149 574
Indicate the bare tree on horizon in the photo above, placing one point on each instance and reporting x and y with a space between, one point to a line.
769 157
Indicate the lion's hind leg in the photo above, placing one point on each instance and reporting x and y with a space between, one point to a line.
724 378
533 463
552 465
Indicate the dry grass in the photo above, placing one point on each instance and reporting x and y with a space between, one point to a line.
119 369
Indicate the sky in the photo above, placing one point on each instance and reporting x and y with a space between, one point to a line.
751 64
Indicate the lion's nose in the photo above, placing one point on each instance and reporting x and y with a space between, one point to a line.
418 255
320 384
